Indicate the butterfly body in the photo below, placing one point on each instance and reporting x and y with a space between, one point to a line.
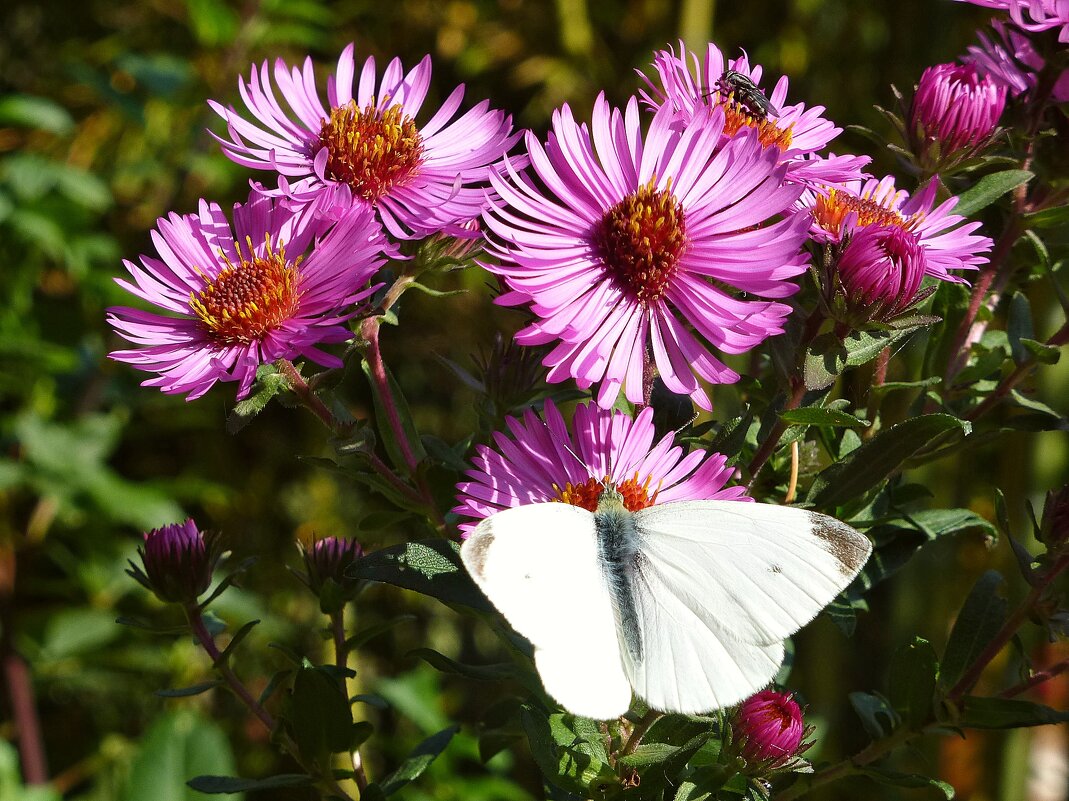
685 603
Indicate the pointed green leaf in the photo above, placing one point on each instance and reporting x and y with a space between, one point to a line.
431 567
214 785
912 682
418 761
319 713
185 692
910 780
1007 713
979 620
882 456
989 189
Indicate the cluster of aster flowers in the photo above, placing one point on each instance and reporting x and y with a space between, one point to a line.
354 179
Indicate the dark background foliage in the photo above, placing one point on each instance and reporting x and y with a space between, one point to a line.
103 129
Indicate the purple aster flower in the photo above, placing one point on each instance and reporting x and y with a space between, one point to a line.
1034 15
276 286
632 243
880 271
954 112
769 728
947 244
178 562
1007 56
366 145
543 461
687 85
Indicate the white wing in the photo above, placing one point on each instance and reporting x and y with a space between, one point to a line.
756 571
538 565
688 662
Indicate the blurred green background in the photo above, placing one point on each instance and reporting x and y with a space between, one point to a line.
103 129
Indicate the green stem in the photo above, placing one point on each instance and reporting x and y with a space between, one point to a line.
637 733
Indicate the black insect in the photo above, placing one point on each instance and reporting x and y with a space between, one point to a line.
746 93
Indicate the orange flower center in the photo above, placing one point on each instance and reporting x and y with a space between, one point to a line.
250 298
371 149
831 210
737 116
635 495
640 241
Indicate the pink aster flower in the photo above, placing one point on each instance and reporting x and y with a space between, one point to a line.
769 727
633 243
947 244
276 286
687 86
365 144
543 461
1034 15
954 112
1007 56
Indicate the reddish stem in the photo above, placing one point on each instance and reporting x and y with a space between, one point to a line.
1035 679
370 331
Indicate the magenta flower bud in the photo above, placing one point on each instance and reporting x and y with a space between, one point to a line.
326 563
178 561
880 272
955 110
769 727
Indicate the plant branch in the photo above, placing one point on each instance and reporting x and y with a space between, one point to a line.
639 732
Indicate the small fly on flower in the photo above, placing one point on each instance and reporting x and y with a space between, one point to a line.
746 93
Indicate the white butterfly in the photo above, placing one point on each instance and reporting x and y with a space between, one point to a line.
686 603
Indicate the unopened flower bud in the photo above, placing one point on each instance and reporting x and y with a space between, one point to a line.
880 271
178 562
769 728
326 563
954 113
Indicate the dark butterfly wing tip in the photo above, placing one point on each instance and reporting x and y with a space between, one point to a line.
850 548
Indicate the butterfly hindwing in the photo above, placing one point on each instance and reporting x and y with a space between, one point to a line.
762 571
538 564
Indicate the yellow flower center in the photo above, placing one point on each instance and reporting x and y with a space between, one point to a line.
831 210
737 117
250 298
640 241
371 149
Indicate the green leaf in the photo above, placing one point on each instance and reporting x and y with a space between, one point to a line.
980 618
989 189
29 111
880 457
1006 713
649 754
185 692
214 785
369 633
213 22
828 355
912 682
1040 351
319 712
1055 217
417 762
431 567
877 715
570 751
504 671
910 780
176 746
1019 326
398 407
936 523
269 383
817 416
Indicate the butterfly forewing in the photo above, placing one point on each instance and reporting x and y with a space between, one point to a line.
761 571
539 566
